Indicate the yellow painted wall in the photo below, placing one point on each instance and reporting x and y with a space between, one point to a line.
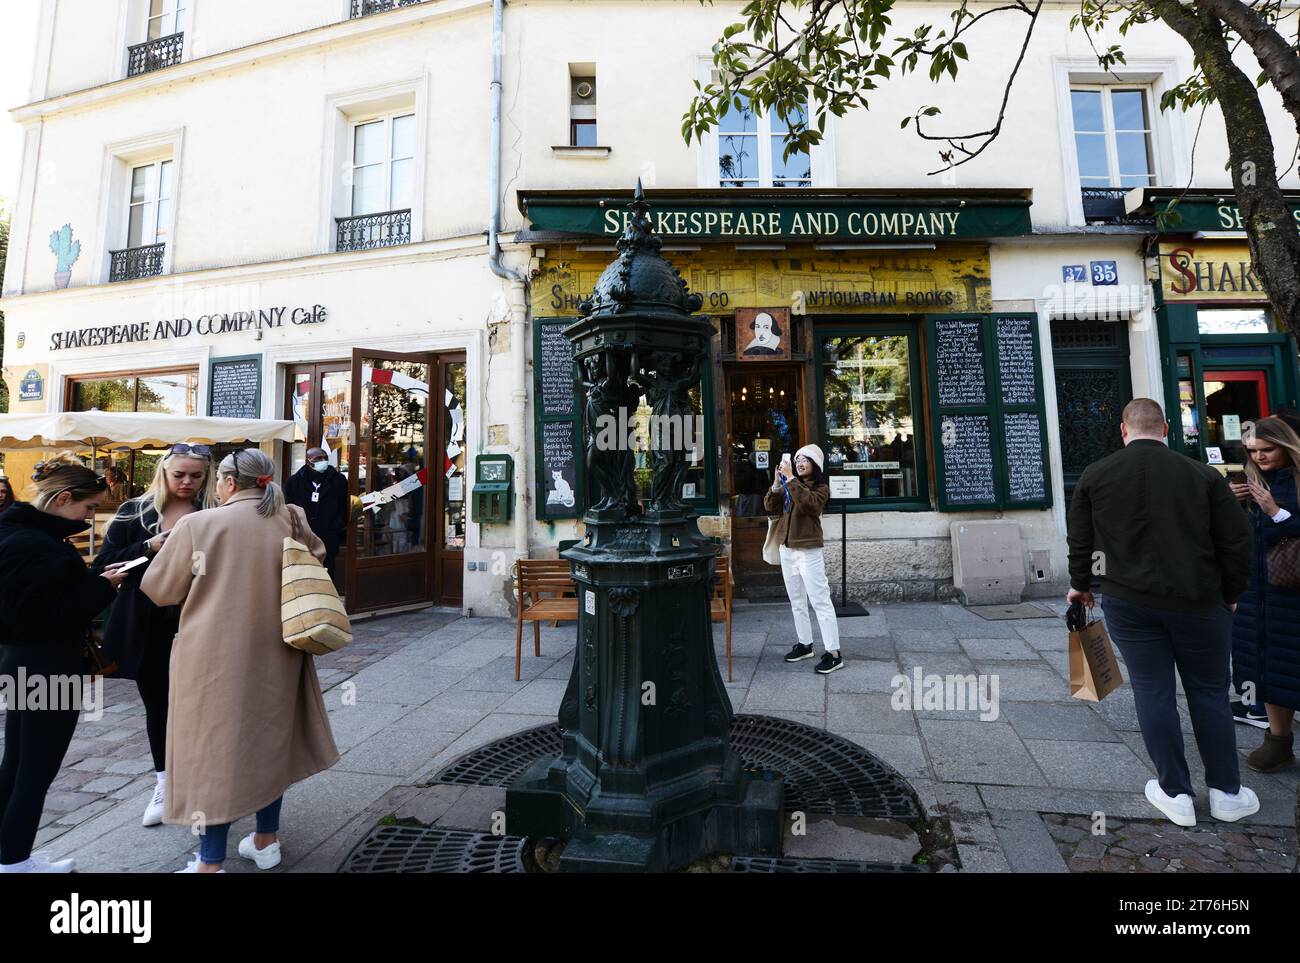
951 279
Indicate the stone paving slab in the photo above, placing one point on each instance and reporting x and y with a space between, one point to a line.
979 752
1026 843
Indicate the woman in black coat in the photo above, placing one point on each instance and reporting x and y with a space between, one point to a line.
1266 628
47 601
139 634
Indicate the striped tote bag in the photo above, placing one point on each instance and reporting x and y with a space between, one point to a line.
312 614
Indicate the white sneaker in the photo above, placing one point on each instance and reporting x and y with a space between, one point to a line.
267 858
193 866
40 863
1178 808
153 813
46 865
1231 808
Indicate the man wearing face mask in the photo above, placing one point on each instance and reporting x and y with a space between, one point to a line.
320 490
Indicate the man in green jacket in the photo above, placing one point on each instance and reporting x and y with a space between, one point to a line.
1171 546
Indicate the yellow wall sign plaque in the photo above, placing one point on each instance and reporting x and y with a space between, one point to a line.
953 279
1208 271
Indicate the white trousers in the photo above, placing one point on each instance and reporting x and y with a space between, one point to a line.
804 571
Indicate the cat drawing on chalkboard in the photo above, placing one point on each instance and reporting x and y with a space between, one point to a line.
562 493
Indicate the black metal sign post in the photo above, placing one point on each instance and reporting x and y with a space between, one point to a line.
850 487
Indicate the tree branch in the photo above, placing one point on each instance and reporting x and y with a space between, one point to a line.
1275 55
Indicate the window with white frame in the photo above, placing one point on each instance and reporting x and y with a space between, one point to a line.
149 204
1113 136
163 43
383 164
166 17
751 150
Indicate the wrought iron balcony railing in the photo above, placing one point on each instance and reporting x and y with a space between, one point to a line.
364 8
373 230
1105 205
131 263
155 54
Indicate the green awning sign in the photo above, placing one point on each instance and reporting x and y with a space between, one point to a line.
1190 215
797 219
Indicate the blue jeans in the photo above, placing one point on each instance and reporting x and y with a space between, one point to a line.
212 844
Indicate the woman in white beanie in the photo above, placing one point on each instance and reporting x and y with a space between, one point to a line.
798 494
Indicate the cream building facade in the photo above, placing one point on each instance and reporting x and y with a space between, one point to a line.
259 209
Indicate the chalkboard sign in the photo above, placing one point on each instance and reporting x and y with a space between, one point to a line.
1016 368
235 387
559 467
959 361
967 446
555 362
1023 434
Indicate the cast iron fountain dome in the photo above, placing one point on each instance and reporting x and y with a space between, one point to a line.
639 283
647 779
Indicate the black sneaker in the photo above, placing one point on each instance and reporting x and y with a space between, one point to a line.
799 653
1249 715
829 663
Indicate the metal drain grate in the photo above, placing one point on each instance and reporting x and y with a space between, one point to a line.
412 849
502 762
824 773
763 864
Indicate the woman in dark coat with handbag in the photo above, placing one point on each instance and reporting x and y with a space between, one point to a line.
47 601
139 634
1266 628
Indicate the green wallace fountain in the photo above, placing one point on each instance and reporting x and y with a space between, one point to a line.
648 779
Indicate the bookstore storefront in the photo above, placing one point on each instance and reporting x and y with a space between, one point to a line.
1226 359
890 354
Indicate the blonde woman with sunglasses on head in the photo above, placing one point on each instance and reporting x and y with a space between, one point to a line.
139 634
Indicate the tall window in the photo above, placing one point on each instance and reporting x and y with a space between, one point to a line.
383 164
166 17
1112 136
582 110
869 418
150 204
751 149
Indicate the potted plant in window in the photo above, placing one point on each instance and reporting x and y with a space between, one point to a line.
67 251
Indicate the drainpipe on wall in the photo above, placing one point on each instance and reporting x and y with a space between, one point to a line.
516 293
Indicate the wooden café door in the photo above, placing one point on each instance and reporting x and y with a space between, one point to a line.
408 541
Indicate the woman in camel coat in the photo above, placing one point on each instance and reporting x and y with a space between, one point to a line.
246 718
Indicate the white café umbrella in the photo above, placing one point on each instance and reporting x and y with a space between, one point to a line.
130 429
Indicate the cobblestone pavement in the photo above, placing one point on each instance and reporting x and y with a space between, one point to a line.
417 690
1142 846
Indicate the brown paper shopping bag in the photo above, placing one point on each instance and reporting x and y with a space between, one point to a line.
1094 671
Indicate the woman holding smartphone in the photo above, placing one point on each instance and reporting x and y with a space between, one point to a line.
1266 627
798 494
139 634
47 601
